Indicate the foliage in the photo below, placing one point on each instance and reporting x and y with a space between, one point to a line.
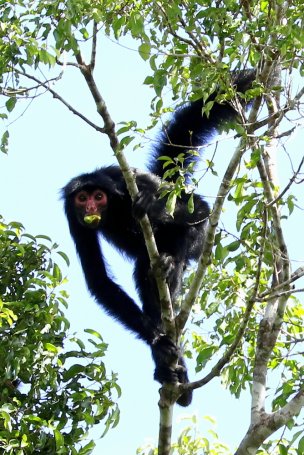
190 441
54 387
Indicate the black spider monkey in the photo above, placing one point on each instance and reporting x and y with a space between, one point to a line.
99 202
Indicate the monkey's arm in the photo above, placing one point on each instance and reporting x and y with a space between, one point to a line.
107 293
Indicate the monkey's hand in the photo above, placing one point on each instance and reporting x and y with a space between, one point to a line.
142 203
172 271
170 366
167 265
165 355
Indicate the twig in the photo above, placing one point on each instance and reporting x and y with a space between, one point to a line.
293 178
94 46
216 370
62 100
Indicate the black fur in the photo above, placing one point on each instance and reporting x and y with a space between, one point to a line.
179 238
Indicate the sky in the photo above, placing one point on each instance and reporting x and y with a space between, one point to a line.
49 146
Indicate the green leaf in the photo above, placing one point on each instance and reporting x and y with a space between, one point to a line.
191 204
283 450
11 103
73 371
301 445
64 256
220 252
233 246
125 141
144 51
87 449
149 80
171 203
44 237
51 348
57 273
291 203
160 80
59 440
94 333
4 142
205 354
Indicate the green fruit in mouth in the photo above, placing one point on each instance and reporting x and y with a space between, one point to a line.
92 219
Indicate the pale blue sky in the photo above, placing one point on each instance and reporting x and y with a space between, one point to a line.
48 146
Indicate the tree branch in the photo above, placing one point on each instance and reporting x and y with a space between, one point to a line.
62 100
94 46
165 428
269 423
223 191
109 129
216 370
291 181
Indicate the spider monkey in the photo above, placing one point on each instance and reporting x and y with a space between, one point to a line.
99 203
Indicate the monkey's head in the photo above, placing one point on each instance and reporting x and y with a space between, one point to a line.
88 197
86 201
89 205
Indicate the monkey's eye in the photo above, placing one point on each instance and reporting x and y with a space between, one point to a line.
100 196
81 197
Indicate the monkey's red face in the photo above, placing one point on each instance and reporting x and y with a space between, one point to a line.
90 206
